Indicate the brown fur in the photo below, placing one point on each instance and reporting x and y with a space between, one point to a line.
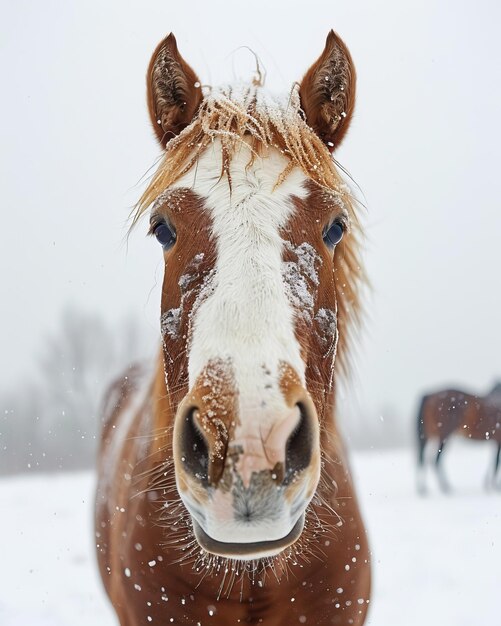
151 565
183 208
452 411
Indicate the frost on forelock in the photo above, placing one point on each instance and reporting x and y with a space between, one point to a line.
247 115
175 198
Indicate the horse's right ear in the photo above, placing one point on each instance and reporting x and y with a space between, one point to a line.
174 91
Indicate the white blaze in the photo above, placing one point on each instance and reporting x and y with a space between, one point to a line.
248 317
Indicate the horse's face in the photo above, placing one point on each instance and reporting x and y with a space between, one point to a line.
248 318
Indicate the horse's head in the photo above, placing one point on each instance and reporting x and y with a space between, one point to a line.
250 211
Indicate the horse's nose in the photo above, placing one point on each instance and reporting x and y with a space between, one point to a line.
284 448
281 442
201 451
301 440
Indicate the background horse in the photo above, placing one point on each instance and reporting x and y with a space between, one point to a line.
223 488
451 411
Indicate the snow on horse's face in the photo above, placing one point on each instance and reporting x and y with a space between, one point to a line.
250 212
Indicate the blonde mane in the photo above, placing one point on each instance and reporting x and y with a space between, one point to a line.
247 114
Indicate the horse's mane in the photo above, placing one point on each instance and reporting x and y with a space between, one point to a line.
247 114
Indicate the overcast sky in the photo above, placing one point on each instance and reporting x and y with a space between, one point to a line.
424 147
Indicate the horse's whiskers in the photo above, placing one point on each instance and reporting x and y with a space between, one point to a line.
219 452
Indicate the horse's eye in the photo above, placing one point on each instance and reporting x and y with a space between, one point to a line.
165 234
333 234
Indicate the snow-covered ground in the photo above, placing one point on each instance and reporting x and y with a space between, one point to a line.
437 560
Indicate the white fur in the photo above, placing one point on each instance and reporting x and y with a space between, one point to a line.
247 316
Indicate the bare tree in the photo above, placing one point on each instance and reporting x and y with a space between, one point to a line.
52 423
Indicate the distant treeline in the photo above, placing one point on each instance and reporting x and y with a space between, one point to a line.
52 421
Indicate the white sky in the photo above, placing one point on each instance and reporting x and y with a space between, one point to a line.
424 147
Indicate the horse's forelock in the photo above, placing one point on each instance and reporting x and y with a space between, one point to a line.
234 113
248 115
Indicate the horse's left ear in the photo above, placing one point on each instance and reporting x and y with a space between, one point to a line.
327 92
174 91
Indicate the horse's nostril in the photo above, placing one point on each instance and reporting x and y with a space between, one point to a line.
298 449
195 452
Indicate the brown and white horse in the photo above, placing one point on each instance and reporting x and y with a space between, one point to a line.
224 493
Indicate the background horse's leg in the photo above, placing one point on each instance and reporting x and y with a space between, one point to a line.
442 481
421 469
497 460
491 474
422 440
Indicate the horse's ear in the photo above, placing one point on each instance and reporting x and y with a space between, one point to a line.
174 91
327 92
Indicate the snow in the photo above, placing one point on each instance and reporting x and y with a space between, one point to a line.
171 322
48 572
436 559
296 275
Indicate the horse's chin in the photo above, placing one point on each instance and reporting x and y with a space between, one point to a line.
247 551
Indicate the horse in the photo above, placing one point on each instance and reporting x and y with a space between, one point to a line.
224 494
451 411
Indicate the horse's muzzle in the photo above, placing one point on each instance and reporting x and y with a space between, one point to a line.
247 486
